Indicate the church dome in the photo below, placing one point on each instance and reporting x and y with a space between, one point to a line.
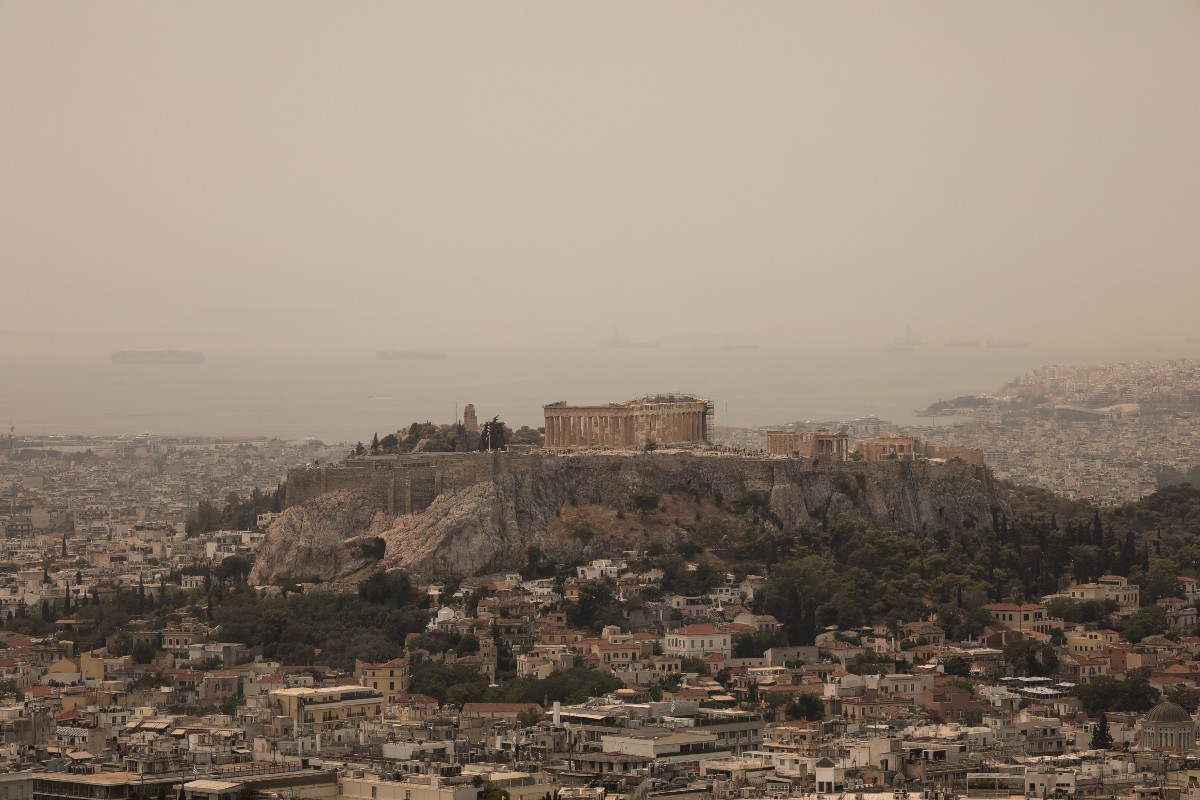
1168 713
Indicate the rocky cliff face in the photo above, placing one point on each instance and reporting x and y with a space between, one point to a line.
490 526
324 538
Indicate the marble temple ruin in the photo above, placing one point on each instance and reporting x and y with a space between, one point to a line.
662 419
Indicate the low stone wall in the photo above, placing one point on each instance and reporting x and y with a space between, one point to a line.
409 484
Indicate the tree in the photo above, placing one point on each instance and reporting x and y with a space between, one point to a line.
794 617
645 502
1106 693
494 436
1101 736
391 588
389 442
232 568
596 606
806 706
1146 621
808 631
142 652
957 665
375 444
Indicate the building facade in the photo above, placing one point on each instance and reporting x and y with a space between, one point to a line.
662 419
321 709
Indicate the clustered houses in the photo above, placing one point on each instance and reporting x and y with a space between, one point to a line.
84 517
858 710
710 703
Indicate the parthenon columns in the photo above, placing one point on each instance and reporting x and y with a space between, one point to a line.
626 425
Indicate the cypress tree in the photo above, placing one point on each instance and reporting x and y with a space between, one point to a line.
1101 736
809 630
794 617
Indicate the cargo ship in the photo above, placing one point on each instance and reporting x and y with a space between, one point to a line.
158 357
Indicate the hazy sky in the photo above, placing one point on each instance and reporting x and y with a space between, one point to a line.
443 175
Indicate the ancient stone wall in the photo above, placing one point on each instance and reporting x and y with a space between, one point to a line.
398 485
410 485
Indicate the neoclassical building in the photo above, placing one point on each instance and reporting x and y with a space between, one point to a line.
1168 725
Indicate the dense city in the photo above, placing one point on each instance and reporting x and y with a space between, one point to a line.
141 658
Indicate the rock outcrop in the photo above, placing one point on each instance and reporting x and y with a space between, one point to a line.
490 526
326 538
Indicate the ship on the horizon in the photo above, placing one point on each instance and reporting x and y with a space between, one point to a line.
1007 345
409 355
158 357
907 340
618 342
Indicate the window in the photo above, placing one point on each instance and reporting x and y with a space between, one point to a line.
374 792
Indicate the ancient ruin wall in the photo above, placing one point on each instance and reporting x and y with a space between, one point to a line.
404 485
410 486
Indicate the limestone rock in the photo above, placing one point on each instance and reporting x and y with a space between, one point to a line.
489 526
327 537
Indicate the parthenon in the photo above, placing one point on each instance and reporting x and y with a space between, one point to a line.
662 419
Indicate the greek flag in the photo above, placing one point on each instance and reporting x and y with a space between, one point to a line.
672 705
195 769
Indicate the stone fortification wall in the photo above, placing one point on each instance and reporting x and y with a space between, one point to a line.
882 490
395 485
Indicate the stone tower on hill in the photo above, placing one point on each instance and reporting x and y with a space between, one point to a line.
469 420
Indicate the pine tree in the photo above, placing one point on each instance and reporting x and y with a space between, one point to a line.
375 443
46 611
67 601
1101 736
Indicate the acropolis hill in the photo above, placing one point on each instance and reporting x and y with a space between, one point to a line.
458 514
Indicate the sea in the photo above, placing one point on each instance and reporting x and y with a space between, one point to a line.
347 397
